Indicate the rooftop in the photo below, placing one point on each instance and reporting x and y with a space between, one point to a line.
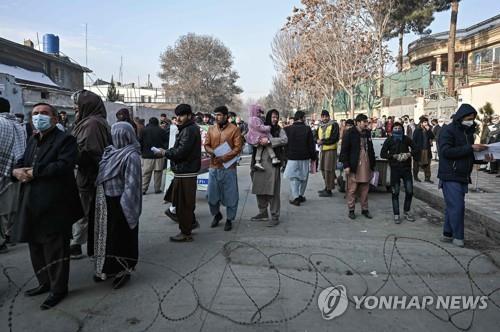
63 60
462 34
27 76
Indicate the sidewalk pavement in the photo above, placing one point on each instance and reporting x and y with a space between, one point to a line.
261 279
482 206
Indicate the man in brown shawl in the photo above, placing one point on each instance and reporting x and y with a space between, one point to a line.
92 134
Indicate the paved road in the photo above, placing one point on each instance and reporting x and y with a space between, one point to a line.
257 278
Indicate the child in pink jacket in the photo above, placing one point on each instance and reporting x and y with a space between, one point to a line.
257 130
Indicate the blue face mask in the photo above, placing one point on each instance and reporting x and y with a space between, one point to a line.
397 134
41 122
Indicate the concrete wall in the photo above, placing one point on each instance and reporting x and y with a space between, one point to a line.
479 95
12 92
140 111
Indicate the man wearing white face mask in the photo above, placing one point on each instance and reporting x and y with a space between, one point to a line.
49 203
456 159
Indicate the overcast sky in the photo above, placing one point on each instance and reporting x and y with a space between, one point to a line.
140 30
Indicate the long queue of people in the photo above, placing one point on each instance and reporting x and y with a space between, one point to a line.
58 212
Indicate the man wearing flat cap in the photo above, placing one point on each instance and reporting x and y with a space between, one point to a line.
185 157
222 178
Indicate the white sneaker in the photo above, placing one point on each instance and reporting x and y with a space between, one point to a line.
409 217
275 161
458 243
397 219
259 167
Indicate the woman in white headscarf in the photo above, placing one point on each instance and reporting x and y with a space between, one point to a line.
118 207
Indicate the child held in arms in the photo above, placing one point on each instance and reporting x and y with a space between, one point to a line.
256 131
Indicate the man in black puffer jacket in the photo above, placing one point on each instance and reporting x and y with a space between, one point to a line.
398 149
456 159
185 157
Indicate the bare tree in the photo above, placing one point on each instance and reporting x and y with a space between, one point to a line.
338 46
199 69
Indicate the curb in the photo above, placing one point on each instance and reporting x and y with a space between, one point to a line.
477 221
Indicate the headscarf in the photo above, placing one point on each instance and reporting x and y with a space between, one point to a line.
115 161
91 129
275 129
12 146
123 114
90 106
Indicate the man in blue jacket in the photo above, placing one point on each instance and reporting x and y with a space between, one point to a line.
456 159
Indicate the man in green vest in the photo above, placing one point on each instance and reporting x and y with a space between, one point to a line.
327 139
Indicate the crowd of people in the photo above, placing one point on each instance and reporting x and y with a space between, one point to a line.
65 185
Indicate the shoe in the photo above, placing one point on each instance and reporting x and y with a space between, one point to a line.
397 219
3 248
367 214
302 199
295 202
258 167
120 280
321 191
326 193
352 215
75 251
260 217
37 290
275 161
274 222
171 215
409 217
417 180
98 279
143 193
446 239
215 221
196 225
181 238
429 181
458 243
52 300
228 226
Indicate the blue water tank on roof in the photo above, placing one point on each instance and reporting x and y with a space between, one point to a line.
51 44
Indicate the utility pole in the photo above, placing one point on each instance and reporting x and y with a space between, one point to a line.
120 75
86 52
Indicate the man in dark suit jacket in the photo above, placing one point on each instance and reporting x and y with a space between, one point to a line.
358 157
49 203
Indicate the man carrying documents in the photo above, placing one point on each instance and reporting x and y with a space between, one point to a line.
223 143
456 159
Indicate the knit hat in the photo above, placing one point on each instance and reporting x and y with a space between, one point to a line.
325 113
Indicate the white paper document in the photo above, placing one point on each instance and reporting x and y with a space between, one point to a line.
223 149
493 149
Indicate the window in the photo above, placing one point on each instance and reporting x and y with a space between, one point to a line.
497 56
44 95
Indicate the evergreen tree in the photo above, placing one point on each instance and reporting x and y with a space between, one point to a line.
112 93
410 16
